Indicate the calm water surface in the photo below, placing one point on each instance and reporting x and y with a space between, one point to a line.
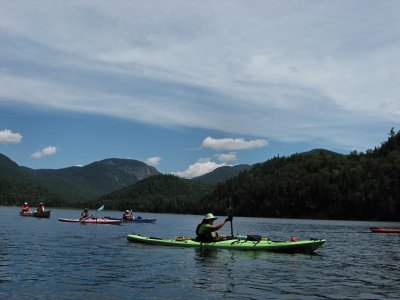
48 259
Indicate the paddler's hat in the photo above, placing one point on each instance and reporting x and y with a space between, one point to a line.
26 203
86 209
41 203
210 216
127 211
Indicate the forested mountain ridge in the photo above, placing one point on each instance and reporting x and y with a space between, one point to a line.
221 174
11 171
17 183
160 193
68 186
314 184
97 178
318 184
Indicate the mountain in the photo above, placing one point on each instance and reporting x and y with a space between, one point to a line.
11 171
318 184
160 193
96 178
315 184
221 174
75 184
20 183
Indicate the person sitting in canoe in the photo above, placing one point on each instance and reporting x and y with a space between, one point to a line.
127 215
25 208
85 214
40 208
206 231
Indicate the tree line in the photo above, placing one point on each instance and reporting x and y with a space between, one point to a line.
159 193
315 184
318 184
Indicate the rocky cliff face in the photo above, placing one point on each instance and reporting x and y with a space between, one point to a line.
132 167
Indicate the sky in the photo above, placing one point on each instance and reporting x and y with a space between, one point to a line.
189 86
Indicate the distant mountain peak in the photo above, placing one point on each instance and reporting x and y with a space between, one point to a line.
133 167
91 180
221 174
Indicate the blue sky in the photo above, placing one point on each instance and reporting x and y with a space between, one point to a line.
188 86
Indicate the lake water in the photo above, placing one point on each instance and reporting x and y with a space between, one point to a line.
48 259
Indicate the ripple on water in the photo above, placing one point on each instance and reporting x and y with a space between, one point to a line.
67 261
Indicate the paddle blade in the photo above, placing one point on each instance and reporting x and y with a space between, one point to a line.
101 208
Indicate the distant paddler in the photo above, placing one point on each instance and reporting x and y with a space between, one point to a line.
85 215
127 215
25 208
40 208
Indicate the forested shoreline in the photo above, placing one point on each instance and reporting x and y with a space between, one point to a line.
317 184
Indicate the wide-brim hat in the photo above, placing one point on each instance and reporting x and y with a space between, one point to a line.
210 216
127 211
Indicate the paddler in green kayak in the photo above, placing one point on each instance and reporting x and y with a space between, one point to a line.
206 231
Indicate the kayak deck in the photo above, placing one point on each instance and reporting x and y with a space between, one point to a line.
133 220
302 246
91 221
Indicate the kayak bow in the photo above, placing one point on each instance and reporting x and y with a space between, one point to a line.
385 230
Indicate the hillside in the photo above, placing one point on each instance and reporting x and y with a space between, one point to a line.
69 186
318 184
96 178
160 193
314 184
221 174
19 183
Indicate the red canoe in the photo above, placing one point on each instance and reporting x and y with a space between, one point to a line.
385 230
92 221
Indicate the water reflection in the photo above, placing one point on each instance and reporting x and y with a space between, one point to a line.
206 252
214 271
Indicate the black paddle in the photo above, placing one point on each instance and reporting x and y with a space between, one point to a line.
231 215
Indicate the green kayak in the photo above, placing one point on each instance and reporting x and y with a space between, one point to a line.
241 243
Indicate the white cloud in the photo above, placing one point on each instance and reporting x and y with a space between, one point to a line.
9 137
153 161
201 167
284 71
232 144
47 151
225 157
